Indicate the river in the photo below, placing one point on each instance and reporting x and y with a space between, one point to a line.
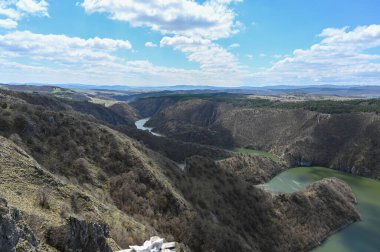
363 236
140 125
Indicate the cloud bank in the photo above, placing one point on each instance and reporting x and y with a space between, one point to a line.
341 57
11 11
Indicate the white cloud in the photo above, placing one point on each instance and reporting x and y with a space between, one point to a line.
63 59
234 45
262 55
35 7
59 48
8 23
213 19
9 12
340 58
249 56
150 44
189 26
15 10
210 56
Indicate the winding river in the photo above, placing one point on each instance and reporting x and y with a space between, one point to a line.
140 125
363 236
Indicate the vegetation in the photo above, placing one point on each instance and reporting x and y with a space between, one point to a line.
343 139
77 159
323 106
334 107
260 153
87 154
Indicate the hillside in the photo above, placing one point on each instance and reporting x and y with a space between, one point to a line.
347 141
69 172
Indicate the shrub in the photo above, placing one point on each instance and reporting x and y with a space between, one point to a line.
75 205
44 198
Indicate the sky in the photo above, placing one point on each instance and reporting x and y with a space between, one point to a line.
188 42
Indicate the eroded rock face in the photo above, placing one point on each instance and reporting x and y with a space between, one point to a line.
78 235
15 234
348 142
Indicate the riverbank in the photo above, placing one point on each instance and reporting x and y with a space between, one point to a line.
360 236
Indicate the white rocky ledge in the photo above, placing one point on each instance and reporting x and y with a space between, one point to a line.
155 244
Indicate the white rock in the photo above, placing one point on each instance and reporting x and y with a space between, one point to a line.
153 245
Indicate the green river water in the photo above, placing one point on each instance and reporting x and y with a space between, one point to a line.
363 236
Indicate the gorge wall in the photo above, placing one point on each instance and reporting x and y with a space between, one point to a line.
348 141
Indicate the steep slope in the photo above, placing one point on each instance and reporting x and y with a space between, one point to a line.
101 162
251 168
346 141
172 148
240 217
45 200
125 111
57 165
193 121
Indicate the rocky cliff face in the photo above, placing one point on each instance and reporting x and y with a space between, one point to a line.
78 235
15 234
348 142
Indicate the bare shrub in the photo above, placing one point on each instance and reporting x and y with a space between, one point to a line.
65 211
44 198
75 205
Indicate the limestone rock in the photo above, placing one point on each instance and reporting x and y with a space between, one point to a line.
15 234
78 235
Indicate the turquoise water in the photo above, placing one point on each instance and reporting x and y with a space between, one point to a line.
363 236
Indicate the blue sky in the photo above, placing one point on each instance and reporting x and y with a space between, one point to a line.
184 42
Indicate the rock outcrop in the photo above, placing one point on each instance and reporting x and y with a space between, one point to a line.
15 234
78 235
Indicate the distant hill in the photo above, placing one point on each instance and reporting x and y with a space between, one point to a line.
344 90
